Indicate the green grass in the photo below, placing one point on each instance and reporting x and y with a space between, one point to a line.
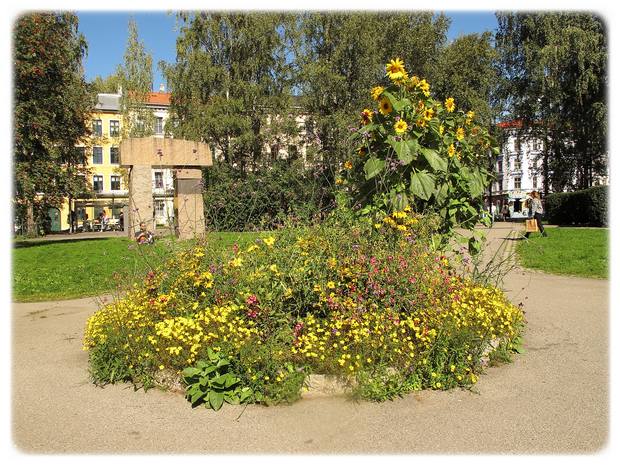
51 270
568 251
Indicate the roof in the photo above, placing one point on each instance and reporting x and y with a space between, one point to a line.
517 124
109 102
158 98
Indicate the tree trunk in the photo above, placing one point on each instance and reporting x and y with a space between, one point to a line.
30 223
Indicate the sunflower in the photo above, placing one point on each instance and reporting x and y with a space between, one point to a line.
449 103
348 165
361 151
376 92
425 87
395 69
400 127
451 150
428 114
470 116
421 123
366 116
385 107
460 134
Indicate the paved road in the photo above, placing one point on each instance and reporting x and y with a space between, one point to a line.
553 399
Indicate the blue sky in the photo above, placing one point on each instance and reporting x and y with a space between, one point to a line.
106 33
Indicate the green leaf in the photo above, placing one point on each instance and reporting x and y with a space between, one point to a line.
222 363
437 162
220 381
422 184
196 397
216 399
442 193
402 150
373 167
189 372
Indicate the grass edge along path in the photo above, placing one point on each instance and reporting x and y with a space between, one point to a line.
568 251
72 269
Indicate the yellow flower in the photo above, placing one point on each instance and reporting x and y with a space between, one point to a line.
269 241
425 87
449 103
460 134
395 69
361 151
451 150
470 116
441 129
331 285
400 126
385 107
366 116
421 122
376 92
339 181
273 268
428 114
348 165
415 80
236 262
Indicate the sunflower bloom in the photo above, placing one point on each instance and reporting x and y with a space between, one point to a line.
460 134
400 127
366 116
428 114
385 107
451 150
395 69
376 92
425 87
348 165
421 123
449 104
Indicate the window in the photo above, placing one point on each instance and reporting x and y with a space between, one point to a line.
159 208
114 155
97 128
159 180
535 182
80 154
97 183
500 166
159 125
115 128
115 183
517 183
517 145
517 163
97 155
537 145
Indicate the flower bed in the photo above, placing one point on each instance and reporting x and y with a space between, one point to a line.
365 301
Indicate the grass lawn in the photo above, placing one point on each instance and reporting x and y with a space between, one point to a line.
49 270
570 251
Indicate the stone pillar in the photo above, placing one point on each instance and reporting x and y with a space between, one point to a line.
140 199
188 203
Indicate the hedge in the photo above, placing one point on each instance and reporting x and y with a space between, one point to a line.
585 207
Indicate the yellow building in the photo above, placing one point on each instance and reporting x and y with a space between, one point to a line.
106 177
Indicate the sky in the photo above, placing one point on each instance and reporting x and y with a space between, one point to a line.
106 34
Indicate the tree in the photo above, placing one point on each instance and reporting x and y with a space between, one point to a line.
232 82
107 85
342 55
465 70
554 68
136 79
52 108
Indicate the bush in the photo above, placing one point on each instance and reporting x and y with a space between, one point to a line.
585 207
263 199
363 300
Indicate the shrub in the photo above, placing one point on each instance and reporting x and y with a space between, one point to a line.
265 198
365 301
585 207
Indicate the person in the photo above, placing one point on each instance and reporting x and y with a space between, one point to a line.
537 210
104 221
505 212
144 236
121 221
493 212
